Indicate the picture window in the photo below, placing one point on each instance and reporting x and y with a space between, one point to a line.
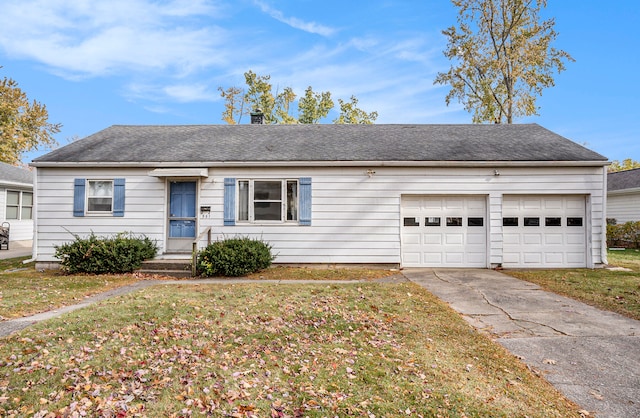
268 200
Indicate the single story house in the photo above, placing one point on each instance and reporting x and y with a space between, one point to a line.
16 201
401 195
623 196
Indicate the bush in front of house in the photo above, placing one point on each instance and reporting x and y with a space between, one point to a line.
121 253
626 235
234 257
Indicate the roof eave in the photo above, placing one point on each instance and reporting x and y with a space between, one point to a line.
113 164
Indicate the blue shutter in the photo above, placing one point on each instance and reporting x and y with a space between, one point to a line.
78 197
229 201
118 197
305 200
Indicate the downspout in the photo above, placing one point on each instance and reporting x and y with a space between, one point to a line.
603 247
34 216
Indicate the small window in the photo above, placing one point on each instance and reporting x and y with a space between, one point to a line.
100 196
454 221
411 222
553 221
510 221
574 221
432 221
475 222
531 221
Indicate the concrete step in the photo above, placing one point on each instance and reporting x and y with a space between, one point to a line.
169 267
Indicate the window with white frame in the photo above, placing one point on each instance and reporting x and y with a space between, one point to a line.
267 200
19 205
99 196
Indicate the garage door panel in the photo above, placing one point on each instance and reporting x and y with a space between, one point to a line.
575 239
412 238
433 258
452 258
511 239
454 239
411 257
553 239
576 258
553 204
534 204
532 257
532 239
557 240
553 258
432 239
476 239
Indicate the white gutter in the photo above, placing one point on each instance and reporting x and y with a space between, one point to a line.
16 184
95 164
603 246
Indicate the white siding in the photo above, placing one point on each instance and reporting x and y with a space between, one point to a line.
624 206
355 218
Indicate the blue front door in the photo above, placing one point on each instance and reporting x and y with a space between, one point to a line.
182 213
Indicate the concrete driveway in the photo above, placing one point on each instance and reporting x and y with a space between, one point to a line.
590 355
16 249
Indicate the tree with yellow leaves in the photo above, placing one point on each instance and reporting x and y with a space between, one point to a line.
24 125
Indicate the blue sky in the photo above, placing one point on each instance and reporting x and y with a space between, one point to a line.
97 63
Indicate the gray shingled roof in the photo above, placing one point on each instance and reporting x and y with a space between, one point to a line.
11 174
621 180
288 143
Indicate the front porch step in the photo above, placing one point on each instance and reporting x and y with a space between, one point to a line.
170 267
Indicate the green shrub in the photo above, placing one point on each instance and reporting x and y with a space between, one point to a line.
626 235
234 257
121 253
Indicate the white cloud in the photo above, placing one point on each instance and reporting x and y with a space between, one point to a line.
311 27
87 38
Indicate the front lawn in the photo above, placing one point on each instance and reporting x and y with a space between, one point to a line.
617 291
268 350
25 291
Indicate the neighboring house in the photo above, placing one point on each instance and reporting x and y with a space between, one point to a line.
623 196
402 195
16 201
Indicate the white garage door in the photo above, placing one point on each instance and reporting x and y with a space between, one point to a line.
444 231
544 231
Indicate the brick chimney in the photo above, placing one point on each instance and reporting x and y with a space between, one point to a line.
257 117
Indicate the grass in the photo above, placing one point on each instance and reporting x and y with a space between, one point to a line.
25 291
265 350
617 291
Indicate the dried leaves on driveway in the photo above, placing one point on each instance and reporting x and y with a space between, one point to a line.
265 350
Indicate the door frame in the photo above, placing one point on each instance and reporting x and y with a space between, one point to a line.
186 248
